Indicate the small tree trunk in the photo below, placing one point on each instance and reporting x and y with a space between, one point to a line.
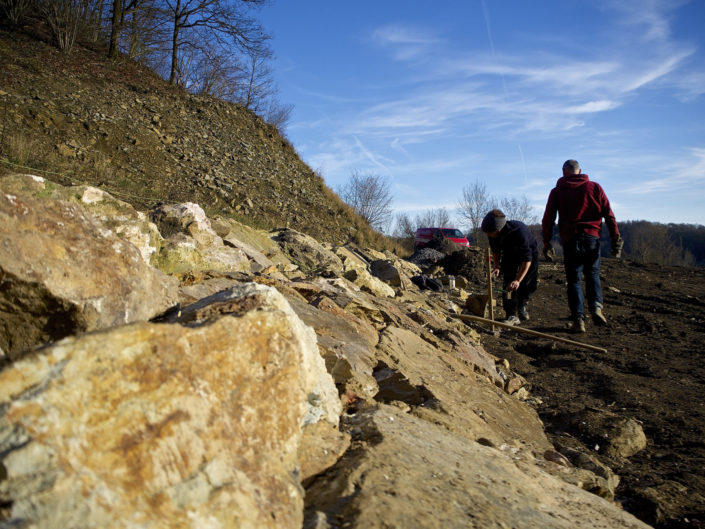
115 29
174 53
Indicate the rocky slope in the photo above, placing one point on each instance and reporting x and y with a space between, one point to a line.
270 381
118 127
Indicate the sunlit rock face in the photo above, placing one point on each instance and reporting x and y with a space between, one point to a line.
167 425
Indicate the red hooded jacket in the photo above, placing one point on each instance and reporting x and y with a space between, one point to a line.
581 205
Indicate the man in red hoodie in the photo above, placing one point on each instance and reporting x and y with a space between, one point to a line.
581 205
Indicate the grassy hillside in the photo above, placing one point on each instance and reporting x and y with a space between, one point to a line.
79 118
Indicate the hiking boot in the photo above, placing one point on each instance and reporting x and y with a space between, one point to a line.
512 320
598 318
523 313
578 326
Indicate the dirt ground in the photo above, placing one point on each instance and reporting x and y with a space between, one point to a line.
653 371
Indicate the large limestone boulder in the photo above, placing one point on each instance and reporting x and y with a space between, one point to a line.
348 350
414 473
445 388
167 425
367 282
191 244
64 272
257 241
306 252
321 396
114 214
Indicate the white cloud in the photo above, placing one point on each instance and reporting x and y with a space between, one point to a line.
658 70
691 86
686 173
650 14
406 42
591 107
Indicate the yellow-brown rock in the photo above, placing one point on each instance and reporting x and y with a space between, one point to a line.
162 425
65 272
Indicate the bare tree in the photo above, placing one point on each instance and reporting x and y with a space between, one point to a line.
143 33
474 205
64 18
369 195
215 72
433 218
278 114
404 227
259 93
222 21
14 11
120 10
258 86
519 209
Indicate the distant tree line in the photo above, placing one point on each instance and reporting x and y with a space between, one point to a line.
370 196
652 242
664 244
208 47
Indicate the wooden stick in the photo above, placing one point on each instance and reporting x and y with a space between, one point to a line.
529 331
490 301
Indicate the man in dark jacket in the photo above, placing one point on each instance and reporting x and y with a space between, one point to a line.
581 205
515 252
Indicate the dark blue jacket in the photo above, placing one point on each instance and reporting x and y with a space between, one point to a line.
515 244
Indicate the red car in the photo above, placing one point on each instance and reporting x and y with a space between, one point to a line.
426 235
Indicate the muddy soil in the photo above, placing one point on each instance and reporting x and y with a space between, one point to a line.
653 371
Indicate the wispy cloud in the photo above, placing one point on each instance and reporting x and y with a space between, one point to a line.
686 172
653 15
405 42
659 69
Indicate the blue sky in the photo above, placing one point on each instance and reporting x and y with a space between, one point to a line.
435 96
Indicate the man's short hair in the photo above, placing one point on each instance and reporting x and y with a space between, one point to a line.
572 166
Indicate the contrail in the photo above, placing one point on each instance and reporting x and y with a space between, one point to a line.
371 156
504 84
489 36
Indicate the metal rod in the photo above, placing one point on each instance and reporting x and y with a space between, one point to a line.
490 301
529 331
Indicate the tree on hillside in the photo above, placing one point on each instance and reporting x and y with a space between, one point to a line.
64 18
144 32
258 91
14 11
200 23
648 242
474 205
370 196
121 9
211 72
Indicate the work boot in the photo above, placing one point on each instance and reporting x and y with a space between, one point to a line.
598 318
523 313
578 326
512 320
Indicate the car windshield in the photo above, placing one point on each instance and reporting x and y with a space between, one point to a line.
453 234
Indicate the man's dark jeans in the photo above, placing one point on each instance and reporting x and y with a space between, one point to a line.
581 256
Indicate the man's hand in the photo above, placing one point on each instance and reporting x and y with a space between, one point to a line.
513 286
548 252
495 272
617 247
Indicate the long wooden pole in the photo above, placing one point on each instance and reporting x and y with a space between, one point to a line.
490 301
529 331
